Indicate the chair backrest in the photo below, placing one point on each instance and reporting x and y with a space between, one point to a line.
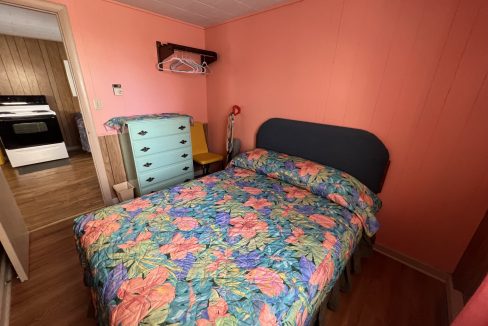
198 141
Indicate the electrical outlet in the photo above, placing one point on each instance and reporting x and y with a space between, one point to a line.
117 89
97 103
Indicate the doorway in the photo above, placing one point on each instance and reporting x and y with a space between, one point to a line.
40 59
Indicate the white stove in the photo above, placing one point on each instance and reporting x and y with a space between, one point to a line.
29 130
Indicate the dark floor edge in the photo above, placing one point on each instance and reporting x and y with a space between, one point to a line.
454 297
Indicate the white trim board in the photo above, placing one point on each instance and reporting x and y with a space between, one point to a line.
413 263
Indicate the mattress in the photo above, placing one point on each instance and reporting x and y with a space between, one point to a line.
261 242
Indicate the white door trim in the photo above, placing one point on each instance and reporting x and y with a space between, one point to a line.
61 12
13 233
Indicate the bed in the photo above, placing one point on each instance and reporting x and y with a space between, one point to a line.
263 242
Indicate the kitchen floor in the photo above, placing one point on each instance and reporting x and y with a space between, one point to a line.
51 195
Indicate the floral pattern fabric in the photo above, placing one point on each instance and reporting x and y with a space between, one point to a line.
118 123
325 181
234 248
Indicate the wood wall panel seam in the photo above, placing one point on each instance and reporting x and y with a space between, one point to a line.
14 52
55 92
107 164
112 159
27 64
116 161
10 66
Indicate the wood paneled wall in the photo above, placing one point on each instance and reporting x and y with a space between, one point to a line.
473 266
112 158
35 67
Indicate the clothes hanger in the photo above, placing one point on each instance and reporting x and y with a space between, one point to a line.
174 62
190 66
181 62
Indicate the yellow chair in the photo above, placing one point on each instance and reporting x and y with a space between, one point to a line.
200 149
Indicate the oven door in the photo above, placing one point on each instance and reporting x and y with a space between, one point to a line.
21 132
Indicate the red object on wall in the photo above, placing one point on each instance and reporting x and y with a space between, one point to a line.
412 72
236 110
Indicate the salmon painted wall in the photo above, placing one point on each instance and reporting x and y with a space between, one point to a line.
117 45
414 72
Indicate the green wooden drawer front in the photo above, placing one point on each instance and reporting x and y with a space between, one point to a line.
145 129
156 145
155 161
157 153
167 183
165 173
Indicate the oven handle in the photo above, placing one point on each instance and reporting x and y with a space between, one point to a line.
28 118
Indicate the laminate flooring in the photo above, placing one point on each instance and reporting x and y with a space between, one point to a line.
48 196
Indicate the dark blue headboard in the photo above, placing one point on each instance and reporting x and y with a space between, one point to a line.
357 152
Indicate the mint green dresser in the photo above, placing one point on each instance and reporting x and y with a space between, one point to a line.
157 153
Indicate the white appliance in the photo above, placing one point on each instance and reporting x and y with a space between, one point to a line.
29 130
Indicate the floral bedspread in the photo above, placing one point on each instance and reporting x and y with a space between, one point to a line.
260 243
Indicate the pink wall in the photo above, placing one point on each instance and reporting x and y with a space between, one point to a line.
117 45
474 313
412 72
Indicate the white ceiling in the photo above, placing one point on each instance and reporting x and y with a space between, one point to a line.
28 23
205 13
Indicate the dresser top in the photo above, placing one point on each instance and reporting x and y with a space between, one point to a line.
118 123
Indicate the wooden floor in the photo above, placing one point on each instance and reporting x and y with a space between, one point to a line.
51 195
387 292
384 293
54 293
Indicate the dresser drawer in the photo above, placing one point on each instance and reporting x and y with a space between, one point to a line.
156 145
165 173
155 161
167 183
157 128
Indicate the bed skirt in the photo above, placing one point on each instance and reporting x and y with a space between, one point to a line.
331 301
343 284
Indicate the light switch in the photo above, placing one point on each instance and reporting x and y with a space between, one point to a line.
117 89
97 103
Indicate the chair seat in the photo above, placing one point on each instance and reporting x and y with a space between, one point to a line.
207 158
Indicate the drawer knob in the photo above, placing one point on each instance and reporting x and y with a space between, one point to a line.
182 127
184 155
142 132
186 168
145 149
147 164
183 142
151 179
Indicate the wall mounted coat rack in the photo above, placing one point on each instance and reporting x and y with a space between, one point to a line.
166 50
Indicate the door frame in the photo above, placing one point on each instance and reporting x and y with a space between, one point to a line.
61 11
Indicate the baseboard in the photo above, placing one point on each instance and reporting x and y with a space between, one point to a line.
455 300
454 297
413 263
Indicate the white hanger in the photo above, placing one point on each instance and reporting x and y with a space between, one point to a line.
175 62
